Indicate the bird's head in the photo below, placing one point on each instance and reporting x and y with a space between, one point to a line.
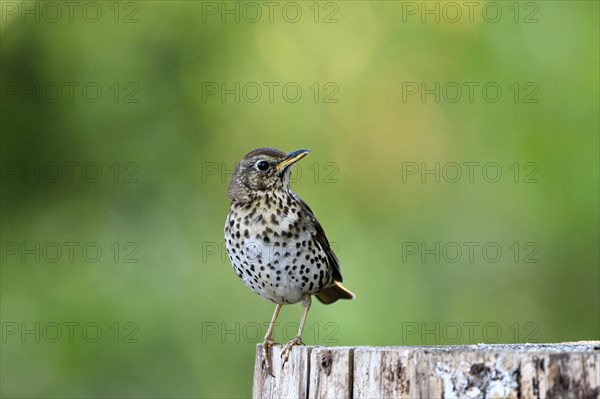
260 171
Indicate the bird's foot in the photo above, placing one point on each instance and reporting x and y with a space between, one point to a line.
267 363
285 353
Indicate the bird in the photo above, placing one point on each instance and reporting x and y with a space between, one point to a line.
276 244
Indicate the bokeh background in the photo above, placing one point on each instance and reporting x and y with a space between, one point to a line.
159 312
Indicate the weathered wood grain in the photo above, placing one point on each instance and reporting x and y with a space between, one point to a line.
331 372
540 371
289 382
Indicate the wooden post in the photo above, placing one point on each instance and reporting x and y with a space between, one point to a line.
567 370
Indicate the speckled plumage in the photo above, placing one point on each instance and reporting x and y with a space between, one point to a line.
271 245
275 244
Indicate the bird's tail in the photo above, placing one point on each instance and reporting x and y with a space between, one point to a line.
333 293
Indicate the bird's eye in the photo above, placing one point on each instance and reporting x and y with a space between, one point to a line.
262 165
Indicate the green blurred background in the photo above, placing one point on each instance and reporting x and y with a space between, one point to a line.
178 323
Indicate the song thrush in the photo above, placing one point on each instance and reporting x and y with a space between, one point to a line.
275 243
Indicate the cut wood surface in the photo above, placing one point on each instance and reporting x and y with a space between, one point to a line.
565 370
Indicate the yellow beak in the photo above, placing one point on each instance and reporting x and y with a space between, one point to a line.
291 158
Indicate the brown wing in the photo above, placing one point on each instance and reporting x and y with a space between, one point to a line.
321 238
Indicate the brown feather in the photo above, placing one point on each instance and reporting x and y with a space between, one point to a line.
333 293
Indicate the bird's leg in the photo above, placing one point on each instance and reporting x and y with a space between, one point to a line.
298 340
268 342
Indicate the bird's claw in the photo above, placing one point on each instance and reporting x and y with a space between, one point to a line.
268 343
285 353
